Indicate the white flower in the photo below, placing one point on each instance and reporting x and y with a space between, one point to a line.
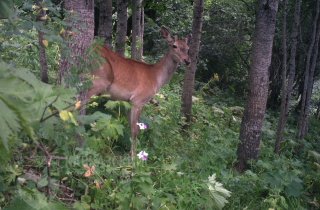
142 155
142 126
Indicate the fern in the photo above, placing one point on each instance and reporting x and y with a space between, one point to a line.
218 192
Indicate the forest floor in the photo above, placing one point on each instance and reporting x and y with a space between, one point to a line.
185 169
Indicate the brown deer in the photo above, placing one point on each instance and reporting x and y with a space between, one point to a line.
137 82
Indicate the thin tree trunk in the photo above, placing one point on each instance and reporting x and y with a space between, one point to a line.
281 123
105 22
141 32
253 117
121 33
42 47
189 76
303 111
311 82
43 58
293 54
136 43
290 79
318 110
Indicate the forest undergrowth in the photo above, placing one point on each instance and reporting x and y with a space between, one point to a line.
185 168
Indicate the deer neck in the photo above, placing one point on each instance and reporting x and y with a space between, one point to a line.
166 68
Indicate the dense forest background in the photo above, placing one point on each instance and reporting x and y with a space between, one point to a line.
238 128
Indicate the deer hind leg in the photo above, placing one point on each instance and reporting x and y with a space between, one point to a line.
102 79
98 86
134 117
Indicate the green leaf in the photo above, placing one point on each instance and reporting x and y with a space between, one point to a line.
315 155
31 199
112 104
43 182
87 119
217 192
9 123
295 188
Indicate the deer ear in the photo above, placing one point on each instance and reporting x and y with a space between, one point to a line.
166 34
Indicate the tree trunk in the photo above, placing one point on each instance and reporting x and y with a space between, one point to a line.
293 54
43 58
80 35
305 120
308 75
281 123
318 110
189 76
136 44
42 47
286 96
122 13
105 22
141 32
252 120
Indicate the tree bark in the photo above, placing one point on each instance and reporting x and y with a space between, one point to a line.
42 47
43 58
188 85
305 120
79 36
252 120
136 44
281 123
318 110
81 20
105 22
141 32
286 92
121 33
308 75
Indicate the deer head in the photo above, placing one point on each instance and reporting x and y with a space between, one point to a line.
179 48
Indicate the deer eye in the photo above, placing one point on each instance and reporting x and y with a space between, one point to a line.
174 46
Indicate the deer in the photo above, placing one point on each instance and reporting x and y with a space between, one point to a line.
137 82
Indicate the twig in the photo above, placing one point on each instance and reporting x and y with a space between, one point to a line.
48 162
45 109
54 113
67 107
58 157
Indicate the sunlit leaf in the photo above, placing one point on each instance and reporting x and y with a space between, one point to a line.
45 42
64 115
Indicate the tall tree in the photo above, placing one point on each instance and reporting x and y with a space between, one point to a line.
105 21
189 76
80 34
81 20
137 41
311 61
287 81
121 33
283 78
261 53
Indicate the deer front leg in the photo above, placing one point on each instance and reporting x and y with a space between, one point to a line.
134 117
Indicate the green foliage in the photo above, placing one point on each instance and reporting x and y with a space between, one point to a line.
19 36
24 101
31 199
218 192
186 169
